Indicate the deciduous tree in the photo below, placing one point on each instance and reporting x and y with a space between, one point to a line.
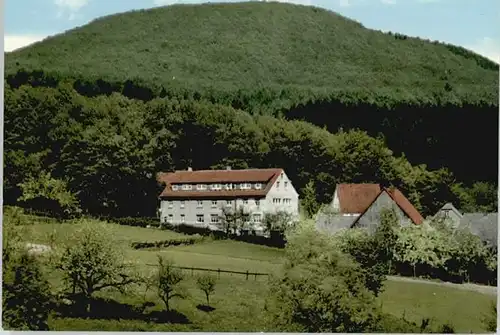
92 261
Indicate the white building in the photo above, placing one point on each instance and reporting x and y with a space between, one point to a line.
197 198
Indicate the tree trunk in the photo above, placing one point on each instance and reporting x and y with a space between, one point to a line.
414 270
208 299
167 301
88 305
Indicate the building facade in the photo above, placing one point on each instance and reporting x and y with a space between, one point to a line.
450 213
200 198
360 205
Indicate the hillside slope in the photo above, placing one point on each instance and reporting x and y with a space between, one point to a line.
244 46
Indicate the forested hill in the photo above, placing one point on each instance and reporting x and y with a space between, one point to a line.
241 46
94 113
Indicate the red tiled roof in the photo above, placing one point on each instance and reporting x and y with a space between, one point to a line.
405 205
356 198
265 176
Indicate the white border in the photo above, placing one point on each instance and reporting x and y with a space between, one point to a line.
2 75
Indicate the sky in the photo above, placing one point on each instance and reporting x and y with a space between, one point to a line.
473 24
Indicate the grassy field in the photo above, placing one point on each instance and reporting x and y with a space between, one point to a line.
40 233
238 303
463 309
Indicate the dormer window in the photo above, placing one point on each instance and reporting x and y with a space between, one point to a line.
215 187
245 186
228 186
175 187
201 187
186 187
258 186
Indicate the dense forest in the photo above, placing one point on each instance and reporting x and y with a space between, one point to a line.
93 114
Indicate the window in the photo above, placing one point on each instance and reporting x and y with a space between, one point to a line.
183 203
287 201
276 200
214 218
258 186
257 218
170 218
215 187
200 218
277 184
200 203
245 186
175 187
170 204
201 187
229 202
245 201
183 218
186 187
214 203
228 186
281 176
286 184
257 203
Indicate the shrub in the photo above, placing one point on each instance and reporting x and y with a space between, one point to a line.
206 283
388 323
93 262
26 295
362 247
187 229
319 289
490 320
136 222
167 243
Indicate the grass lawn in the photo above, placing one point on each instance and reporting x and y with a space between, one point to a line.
39 233
461 308
239 303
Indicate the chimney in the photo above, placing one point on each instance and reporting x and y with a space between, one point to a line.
228 168
190 168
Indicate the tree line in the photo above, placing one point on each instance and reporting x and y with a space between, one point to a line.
68 153
428 131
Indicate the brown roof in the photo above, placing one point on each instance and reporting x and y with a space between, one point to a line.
265 176
405 205
356 198
398 197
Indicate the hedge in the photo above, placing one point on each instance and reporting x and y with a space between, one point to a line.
136 222
167 243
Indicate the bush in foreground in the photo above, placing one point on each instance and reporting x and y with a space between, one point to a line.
27 299
320 289
93 262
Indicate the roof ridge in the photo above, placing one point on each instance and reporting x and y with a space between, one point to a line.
231 170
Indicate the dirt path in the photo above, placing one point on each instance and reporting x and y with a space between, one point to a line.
490 290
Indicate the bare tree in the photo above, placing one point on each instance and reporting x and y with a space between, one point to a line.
168 281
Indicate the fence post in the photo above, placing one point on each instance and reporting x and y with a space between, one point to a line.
255 277
192 271
218 273
247 274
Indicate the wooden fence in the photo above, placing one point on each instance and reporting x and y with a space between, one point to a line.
247 274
